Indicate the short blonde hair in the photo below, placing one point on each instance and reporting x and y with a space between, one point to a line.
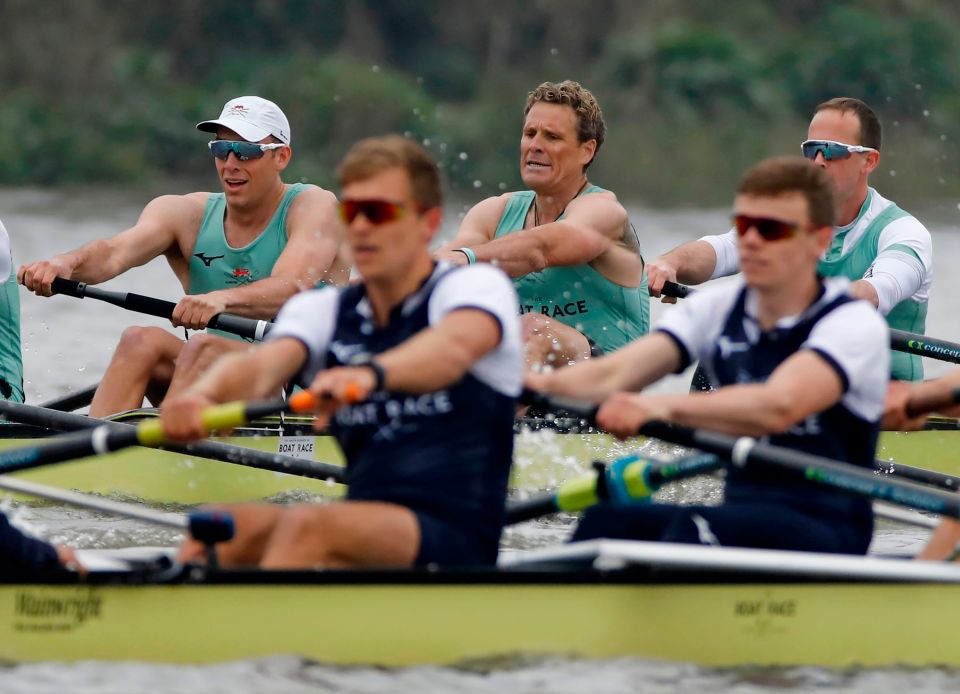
369 157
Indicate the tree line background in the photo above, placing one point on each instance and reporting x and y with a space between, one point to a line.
693 91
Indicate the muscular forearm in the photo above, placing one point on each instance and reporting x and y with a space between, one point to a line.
862 289
629 369
516 254
262 299
413 367
242 376
694 262
92 263
743 410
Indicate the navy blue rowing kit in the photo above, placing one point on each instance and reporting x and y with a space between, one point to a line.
445 455
766 506
21 555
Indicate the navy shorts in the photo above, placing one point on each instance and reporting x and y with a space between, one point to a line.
736 524
446 544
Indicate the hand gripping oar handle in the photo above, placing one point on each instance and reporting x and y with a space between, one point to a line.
931 347
678 291
108 437
238 325
932 402
745 450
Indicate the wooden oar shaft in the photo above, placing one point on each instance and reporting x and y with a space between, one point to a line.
238 325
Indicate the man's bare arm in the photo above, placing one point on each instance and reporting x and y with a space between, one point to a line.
801 386
155 233
256 373
690 263
630 368
592 225
462 337
478 226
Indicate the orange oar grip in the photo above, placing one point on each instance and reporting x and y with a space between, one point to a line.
352 393
302 401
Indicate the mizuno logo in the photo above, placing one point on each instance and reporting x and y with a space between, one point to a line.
206 259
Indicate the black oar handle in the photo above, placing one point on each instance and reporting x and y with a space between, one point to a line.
678 291
148 305
931 347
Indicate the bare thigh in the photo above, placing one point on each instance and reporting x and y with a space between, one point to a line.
345 534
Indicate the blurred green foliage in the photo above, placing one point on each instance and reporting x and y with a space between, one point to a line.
693 90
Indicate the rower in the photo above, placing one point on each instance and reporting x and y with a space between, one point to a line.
568 244
244 251
420 363
11 359
800 361
906 409
884 251
22 556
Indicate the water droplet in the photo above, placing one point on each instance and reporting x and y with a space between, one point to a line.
918 86
463 156
376 68
502 186
416 111
554 51
926 113
427 142
892 172
337 98
478 183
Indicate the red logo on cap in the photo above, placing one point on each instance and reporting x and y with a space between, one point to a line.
239 110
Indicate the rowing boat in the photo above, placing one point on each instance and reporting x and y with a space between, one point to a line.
547 453
602 599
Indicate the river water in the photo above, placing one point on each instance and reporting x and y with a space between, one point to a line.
67 344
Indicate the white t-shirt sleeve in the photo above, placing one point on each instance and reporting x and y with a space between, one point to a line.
309 317
697 321
488 289
6 258
903 268
855 340
725 246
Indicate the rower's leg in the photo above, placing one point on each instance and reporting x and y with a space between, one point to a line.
348 534
943 543
197 355
253 526
549 342
143 361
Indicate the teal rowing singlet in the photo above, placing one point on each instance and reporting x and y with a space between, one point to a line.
215 264
908 315
11 362
579 296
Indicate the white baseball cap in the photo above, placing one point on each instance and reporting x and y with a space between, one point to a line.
252 118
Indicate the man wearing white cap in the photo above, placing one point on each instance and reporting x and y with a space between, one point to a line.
243 251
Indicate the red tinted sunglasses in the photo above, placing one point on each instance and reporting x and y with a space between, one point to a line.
376 211
768 228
